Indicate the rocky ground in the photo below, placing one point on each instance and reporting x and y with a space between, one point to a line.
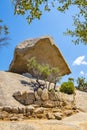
14 115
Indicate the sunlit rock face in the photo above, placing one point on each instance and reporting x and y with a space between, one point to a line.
44 50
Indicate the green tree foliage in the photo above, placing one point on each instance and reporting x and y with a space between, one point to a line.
43 71
67 87
3 34
82 84
38 70
71 79
34 9
80 19
54 76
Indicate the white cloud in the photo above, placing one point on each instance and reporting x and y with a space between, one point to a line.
80 61
83 73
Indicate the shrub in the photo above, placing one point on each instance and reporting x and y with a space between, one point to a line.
67 87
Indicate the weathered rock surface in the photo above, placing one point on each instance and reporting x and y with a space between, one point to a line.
49 104
68 112
11 83
45 51
58 115
39 110
44 95
17 125
38 103
39 92
46 124
54 96
30 108
13 110
22 92
50 116
36 96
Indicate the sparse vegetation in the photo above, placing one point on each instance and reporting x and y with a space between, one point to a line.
71 79
82 84
44 72
3 34
67 87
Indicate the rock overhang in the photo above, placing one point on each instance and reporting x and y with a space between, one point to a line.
44 50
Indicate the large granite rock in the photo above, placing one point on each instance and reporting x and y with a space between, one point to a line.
45 52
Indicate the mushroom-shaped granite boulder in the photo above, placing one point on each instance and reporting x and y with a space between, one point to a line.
44 50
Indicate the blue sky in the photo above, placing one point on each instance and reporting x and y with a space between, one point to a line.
53 24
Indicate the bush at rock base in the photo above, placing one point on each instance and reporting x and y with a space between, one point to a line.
67 87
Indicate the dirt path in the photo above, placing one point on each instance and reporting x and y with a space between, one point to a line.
37 125
81 100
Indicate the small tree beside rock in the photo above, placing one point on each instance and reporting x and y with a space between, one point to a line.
44 72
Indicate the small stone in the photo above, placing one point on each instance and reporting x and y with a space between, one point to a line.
1 117
39 110
30 109
58 115
54 96
21 110
35 105
30 98
68 112
1 108
44 95
7 109
74 107
39 116
56 110
21 117
50 116
49 104
37 96
64 103
77 110
5 114
28 102
27 114
60 103
16 94
38 102
27 75
56 103
15 110
14 118
39 92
